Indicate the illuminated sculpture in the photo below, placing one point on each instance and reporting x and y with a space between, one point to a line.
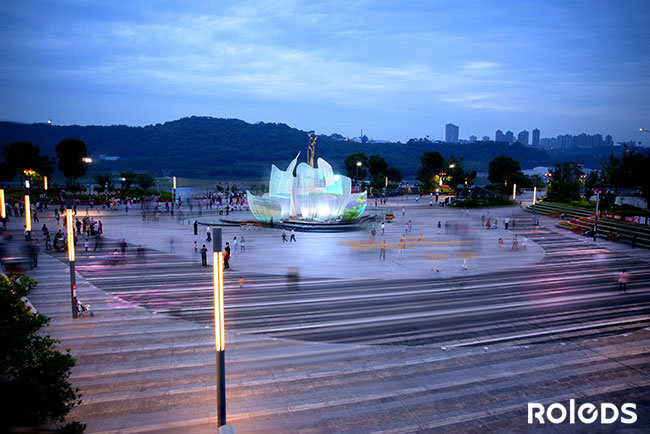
313 194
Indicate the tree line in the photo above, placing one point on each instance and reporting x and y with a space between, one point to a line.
24 159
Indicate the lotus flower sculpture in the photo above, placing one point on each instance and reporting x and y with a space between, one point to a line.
315 194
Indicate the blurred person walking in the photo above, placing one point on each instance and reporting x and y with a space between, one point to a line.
623 279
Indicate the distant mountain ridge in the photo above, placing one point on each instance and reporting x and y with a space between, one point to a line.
200 147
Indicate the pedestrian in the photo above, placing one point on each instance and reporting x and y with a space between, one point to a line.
482 219
196 227
234 246
48 241
284 237
500 242
382 250
623 278
196 247
487 225
98 243
515 243
506 222
373 232
402 246
204 256
139 253
123 247
382 228
208 234
242 244
403 211
86 245
439 227
293 236
226 257
524 241
34 248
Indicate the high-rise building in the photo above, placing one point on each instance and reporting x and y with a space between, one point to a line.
608 140
510 137
522 137
451 133
499 137
486 139
472 139
535 138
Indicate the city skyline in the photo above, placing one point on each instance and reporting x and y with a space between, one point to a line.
398 72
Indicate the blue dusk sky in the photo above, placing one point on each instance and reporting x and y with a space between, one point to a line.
396 69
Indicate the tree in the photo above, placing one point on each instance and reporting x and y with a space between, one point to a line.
565 182
21 156
351 168
630 169
432 164
103 179
377 165
591 183
503 169
127 179
71 153
145 180
394 174
33 374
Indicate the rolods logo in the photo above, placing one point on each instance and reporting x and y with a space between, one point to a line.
586 413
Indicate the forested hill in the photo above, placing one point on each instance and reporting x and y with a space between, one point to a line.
230 148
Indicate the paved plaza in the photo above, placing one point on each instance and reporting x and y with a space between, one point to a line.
456 334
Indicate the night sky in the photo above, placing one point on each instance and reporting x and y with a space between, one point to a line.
396 69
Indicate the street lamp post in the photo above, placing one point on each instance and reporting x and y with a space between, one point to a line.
219 330
596 216
359 164
71 260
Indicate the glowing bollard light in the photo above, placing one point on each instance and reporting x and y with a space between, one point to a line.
219 331
73 281
534 195
173 193
28 217
3 209
514 191
45 184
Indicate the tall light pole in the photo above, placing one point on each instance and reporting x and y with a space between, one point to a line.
219 328
71 259
359 164
596 216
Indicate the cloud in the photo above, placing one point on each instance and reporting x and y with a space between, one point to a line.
479 65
